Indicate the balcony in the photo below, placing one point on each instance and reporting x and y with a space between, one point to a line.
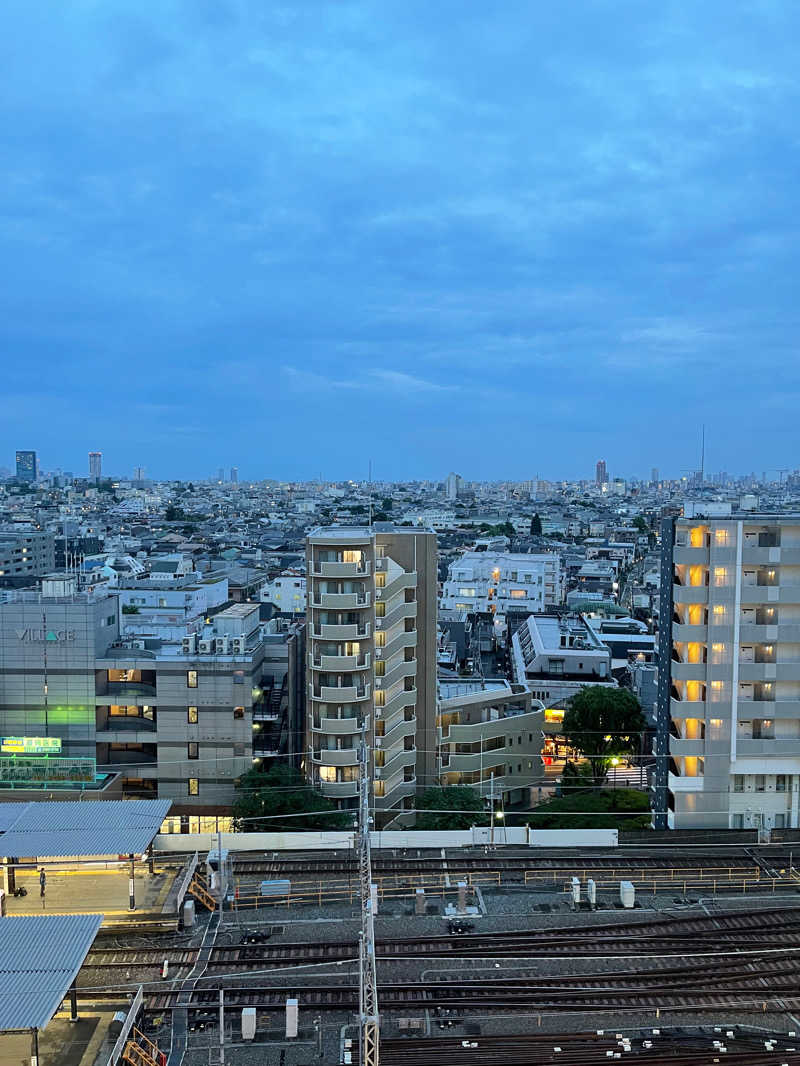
779 746
689 556
687 708
362 569
689 671
349 631
761 555
399 731
404 788
676 783
688 633
336 726
336 756
348 694
402 610
341 663
685 746
690 593
129 692
339 789
343 601
768 708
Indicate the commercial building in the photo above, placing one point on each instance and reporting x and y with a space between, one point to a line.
95 466
557 657
371 635
502 582
27 466
489 736
24 555
600 473
728 741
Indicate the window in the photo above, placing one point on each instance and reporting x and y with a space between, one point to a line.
721 538
238 677
717 653
192 716
470 592
780 783
380 609
238 712
719 614
720 576
780 821
191 679
327 773
194 786
761 783
738 821
518 594
380 668
194 750
556 666
738 782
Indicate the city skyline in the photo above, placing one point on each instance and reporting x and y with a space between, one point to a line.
566 231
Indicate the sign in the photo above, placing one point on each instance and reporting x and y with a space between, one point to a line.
30 745
42 636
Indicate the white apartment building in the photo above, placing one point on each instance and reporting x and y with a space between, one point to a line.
287 592
499 582
432 519
728 743
371 638
557 657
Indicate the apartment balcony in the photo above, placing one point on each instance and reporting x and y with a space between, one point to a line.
336 726
689 556
771 594
128 693
676 783
342 601
399 731
762 556
751 633
778 746
398 584
340 694
472 762
124 736
397 672
688 633
689 671
340 663
690 594
687 708
127 724
396 762
685 746
404 788
339 789
335 756
768 708
362 569
354 631
395 705
396 643
402 610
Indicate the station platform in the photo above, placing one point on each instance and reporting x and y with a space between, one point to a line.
87 1042
92 891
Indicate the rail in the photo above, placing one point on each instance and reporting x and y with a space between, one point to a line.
127 1025
707 885
676 873
324 893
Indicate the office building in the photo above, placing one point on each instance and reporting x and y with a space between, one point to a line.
25 555
654 476
728 741
453 485
503 582
558 656
600 473
234 475
27 466
371 635
95 466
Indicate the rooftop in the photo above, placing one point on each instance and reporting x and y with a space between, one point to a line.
77 827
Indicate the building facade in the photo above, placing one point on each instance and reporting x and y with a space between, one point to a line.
371 640
728 741
26 555
557 657
27 466
95 466
502 582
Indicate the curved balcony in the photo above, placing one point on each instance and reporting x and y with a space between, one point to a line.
395 705
339 789
404 788
402 610
335 756
336 726
354 631
395 763
396 672
399 731
362 569
398 584
344 664
342 601
343 694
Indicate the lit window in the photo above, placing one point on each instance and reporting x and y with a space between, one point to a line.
466 592
717 653
193 750
327 773
518 594
717 688
721 538
191 679
194 786
719 614
192 716
720 576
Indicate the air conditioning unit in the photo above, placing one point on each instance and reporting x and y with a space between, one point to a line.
378 682
189 644
237 645
379 653
378 772
205 647
378 712
378 742
221 645
138 644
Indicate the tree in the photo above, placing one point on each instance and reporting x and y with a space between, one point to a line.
641 524
281 790
602 723
173 513
454 807
386 504
536 526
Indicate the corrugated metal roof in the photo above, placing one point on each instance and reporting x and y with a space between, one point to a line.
39 958
9 812
93 827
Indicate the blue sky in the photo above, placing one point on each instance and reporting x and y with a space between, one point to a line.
506 238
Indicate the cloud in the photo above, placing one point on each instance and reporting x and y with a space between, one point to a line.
391 382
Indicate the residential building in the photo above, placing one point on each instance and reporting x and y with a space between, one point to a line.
600 473
95 466
287 592
453 486
502 582
234 475
371 638
728 742
430 518
27 466
558 656
489 736
24 555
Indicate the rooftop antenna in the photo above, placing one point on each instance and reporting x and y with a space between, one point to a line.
703 455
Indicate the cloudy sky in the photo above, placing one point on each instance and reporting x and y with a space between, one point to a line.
503 238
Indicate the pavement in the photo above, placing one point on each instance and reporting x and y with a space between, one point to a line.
90 892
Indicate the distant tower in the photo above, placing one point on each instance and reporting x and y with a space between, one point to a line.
654 476
95 466
27 466
452 486
600 473
234 475
221 475
138 473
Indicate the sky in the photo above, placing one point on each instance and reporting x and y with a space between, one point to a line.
505 239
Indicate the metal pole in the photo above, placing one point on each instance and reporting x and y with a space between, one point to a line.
34 1047
131 887
222 1026
491 807
73 1003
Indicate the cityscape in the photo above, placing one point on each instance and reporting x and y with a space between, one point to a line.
399 534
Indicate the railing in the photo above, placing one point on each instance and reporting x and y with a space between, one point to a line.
127 1025
185 882
321 892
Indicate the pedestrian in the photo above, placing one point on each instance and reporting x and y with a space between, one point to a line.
42 883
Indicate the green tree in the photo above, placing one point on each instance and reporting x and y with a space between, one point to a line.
641 524
603 723
386 504
281 790
173 513
536 526
454 807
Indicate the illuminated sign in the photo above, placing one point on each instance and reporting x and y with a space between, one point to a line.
30 745
41 636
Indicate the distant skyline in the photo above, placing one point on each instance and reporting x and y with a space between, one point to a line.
495 238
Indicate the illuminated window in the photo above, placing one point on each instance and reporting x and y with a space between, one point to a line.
379 788
718 653
380 580
695 653
351 556
697 537
193 750
192 716
327 773
722 538
695 614
380 668
466 592
194 786
717 688
719 614
380 609
380 698
720 576
518 594
697 575
380 639
191 679
693 691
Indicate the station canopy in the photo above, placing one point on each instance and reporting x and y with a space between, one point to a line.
81 827
40 956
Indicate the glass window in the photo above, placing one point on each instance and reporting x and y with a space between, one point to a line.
194 750
761 783
192 716
191 679
194 786
738 782
518 594
720 576
780 783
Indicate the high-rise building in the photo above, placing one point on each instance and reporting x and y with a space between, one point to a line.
654 476
371 632
221 475
27 466
453 486
728 740
600 473
234 475
95 465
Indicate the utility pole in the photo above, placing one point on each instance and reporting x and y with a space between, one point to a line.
368 986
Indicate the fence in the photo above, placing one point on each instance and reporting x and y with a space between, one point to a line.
128 1024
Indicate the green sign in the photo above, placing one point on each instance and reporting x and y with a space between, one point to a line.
30 745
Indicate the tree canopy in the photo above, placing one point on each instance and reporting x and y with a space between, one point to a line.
602 723
281 790
453 807
536 526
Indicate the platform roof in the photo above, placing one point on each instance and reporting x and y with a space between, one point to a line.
40 956
82 827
